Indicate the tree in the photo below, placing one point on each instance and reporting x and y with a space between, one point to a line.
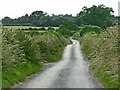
96 15
6 20
36 15
56 21
45 20
78 21
67 27
38 18
35 23
23 19
70 25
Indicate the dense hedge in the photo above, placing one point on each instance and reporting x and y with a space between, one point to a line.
102 52
23 53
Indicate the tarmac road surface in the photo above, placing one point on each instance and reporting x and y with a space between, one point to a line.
72 71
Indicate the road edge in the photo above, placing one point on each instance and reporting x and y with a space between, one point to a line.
91 72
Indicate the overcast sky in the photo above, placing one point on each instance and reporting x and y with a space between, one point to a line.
17 8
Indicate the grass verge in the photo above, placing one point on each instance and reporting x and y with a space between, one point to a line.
102 52
18 74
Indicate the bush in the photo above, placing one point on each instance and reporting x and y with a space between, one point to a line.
90 28
50 28
69 25
30 28
76 35
42 28
33 28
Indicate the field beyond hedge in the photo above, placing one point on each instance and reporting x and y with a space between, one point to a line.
23 27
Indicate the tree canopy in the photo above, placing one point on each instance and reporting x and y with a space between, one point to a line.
67 28
96 15
37 18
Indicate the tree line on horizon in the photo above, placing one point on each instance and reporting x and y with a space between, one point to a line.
101 16
37 18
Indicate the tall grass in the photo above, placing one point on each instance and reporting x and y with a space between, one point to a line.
24 52
102 52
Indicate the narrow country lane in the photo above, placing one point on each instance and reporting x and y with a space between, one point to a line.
72 71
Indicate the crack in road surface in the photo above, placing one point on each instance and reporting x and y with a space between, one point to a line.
72 71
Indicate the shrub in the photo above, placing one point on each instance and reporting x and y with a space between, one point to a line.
50 28
35 29
42 28
90 28
30 28
76 35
